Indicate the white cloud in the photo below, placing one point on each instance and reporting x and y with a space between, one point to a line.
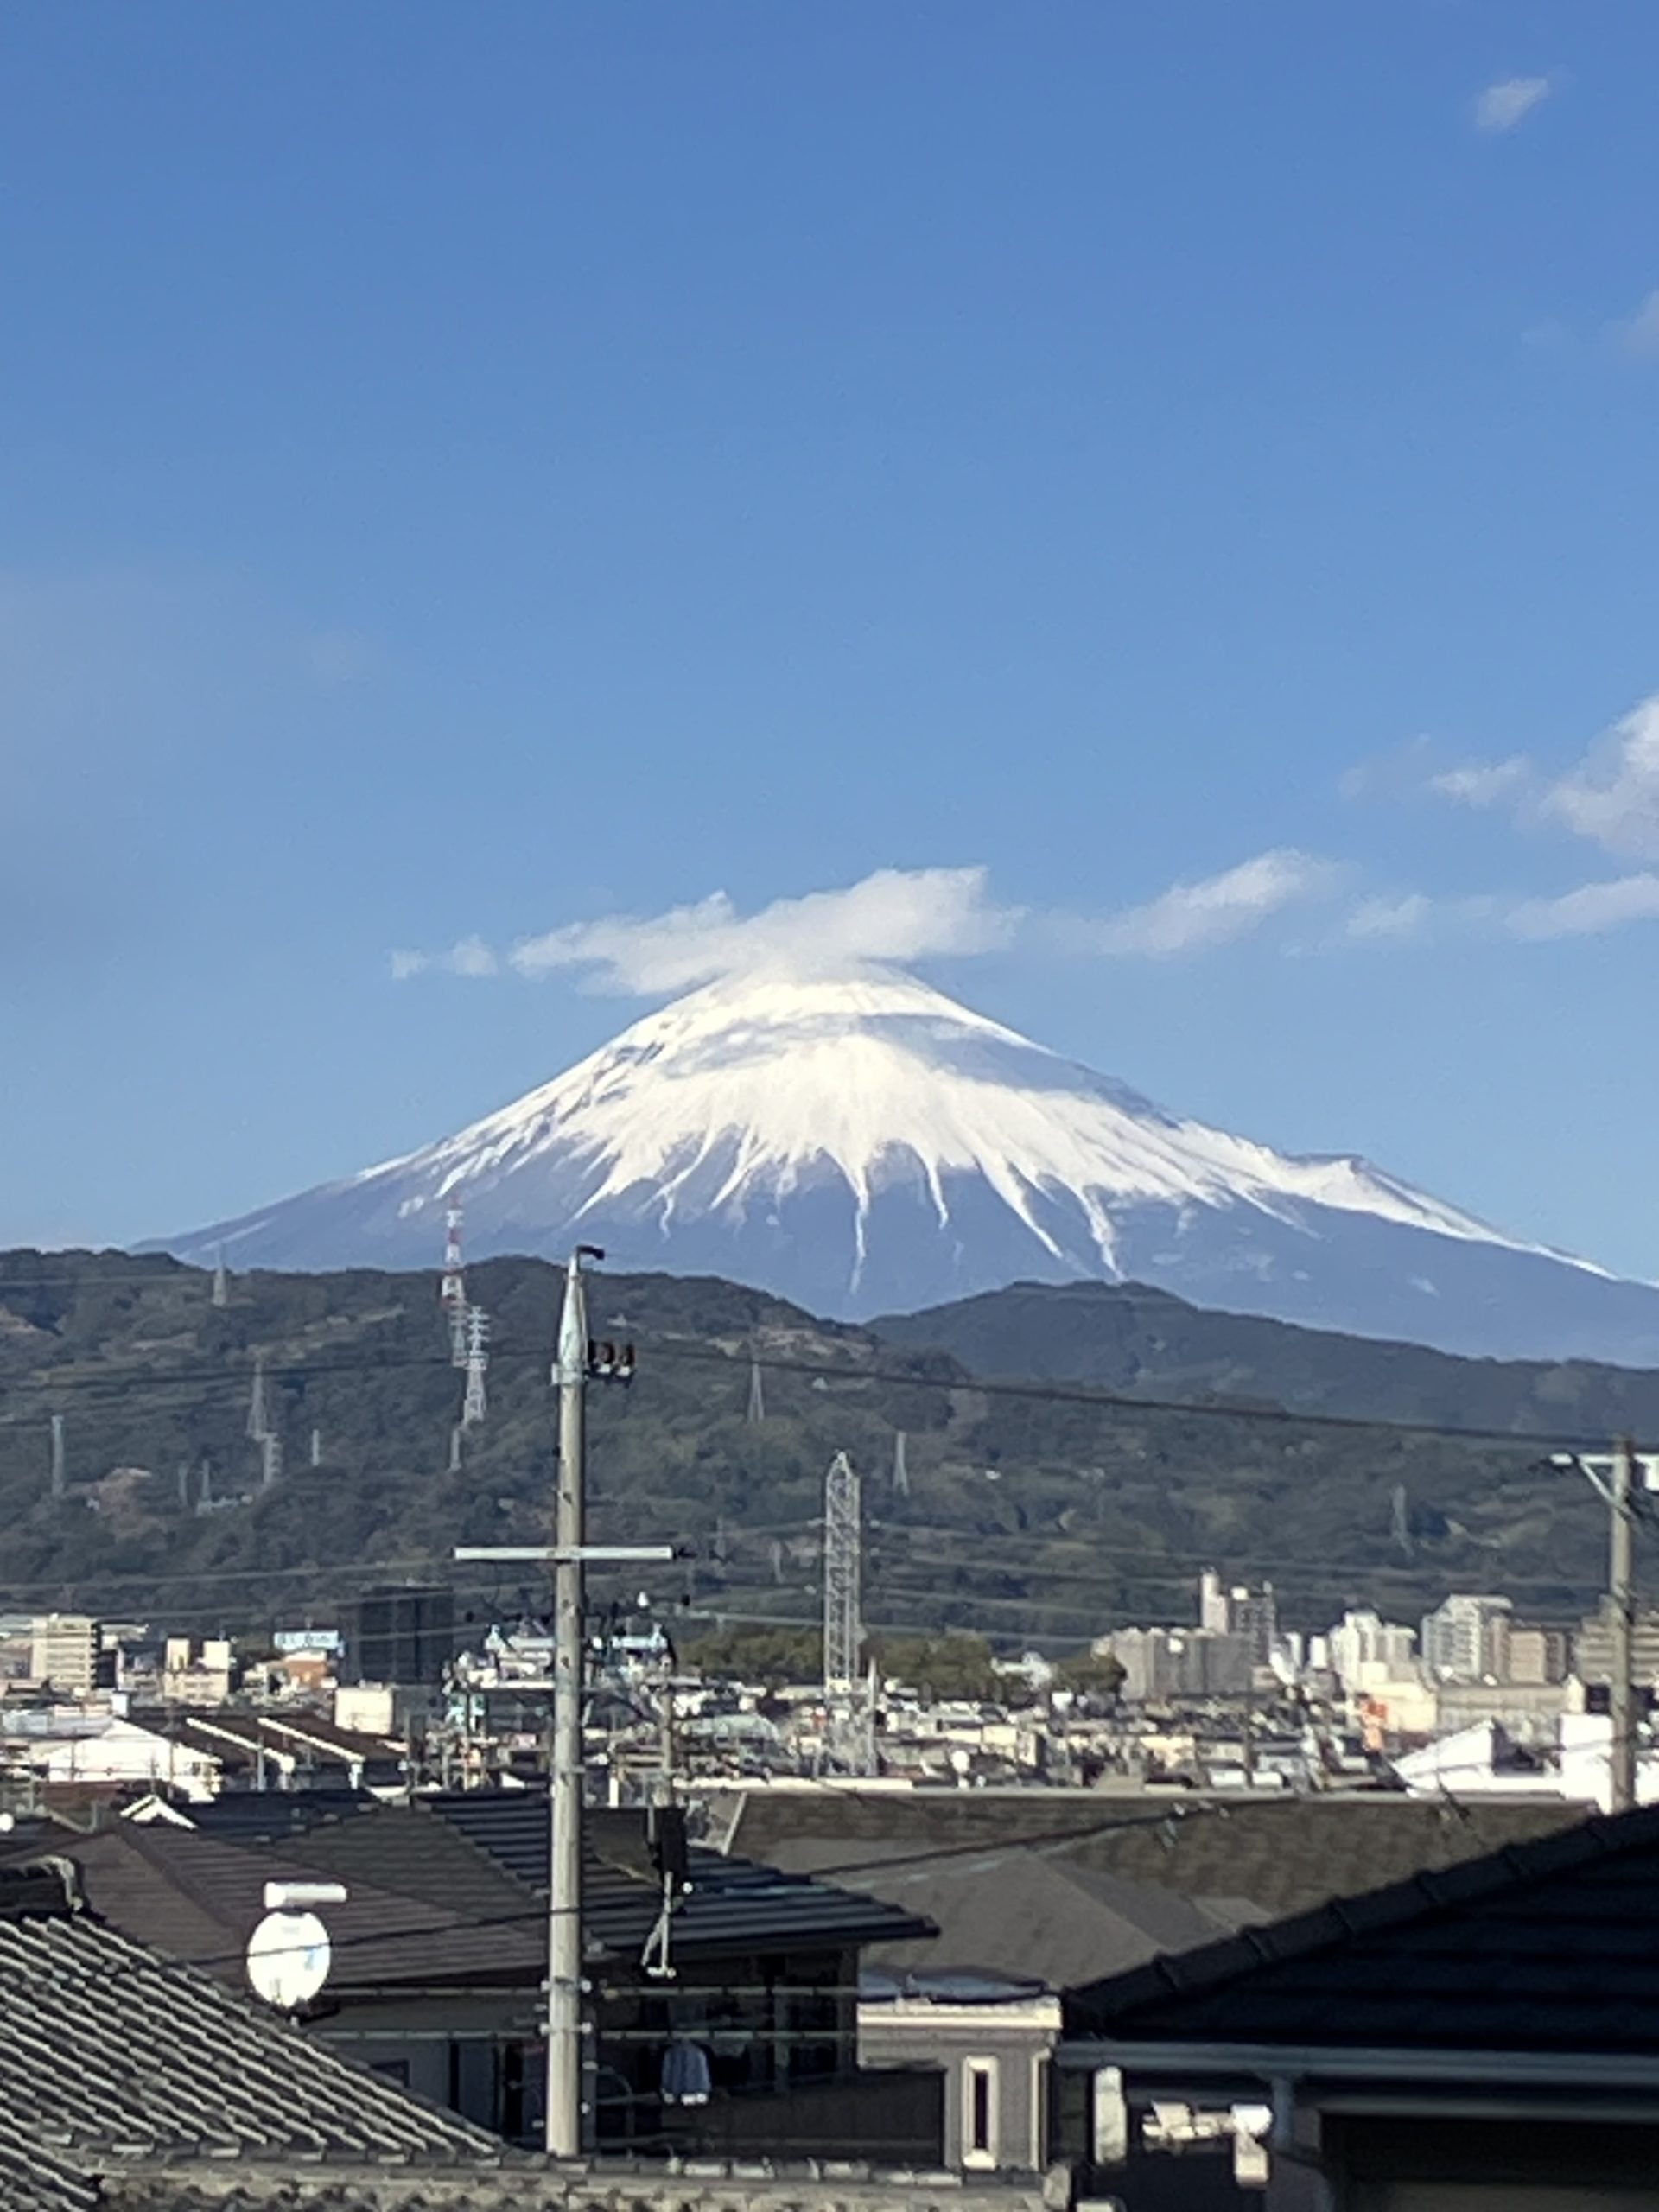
1189 915
1390 919
1591 911
896 914
1484 782
469 957
1638 334
1509 101
1612 797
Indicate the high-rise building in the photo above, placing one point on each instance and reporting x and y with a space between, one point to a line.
1365 1649
1239 1610
1465 1638
404 1635
63 1651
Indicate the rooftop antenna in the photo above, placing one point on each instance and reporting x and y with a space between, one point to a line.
221 1280
476 1402
756 1409
452 1290
901 1469
843 1546
57 1455
258 1418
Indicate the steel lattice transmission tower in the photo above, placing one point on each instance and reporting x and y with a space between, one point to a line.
476 1402
843 1549
452 1289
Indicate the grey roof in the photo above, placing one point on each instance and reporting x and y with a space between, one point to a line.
732 1904
198 1899
111 2054
1031 1915
1260 1857
1548 1945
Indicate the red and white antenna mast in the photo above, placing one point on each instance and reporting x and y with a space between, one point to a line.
452 1292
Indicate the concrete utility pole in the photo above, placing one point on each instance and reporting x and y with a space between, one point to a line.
57 1478
577 1361
1621 1598
1614 1476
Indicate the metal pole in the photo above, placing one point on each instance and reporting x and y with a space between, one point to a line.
1621 1702
563 2130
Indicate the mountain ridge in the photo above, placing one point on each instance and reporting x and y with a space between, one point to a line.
862 1144
1099 1513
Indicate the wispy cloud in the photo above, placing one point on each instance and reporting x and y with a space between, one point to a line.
1509 102
895 917
1612 796
896 914
1637 335
1213 911
1390 919
469 957
1484 782
1593 910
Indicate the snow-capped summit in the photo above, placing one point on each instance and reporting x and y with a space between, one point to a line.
861 1143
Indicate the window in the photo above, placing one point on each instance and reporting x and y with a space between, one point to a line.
979 2112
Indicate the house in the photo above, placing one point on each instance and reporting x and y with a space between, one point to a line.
441 1951
1485 2034
116 2064
133 2083
1033 1893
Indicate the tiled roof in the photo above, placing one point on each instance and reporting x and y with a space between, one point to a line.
1547 1946
198 1898
1265 1855
732 1904
111 2054
1033 1916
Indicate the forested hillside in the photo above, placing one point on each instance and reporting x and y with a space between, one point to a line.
1034 1513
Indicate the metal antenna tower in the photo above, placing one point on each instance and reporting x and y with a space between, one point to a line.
452 1291
843 1547
756 1412
221 1280
57 1455
900 1470
258 1417
476 1402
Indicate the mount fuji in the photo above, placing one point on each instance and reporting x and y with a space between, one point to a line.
862 1144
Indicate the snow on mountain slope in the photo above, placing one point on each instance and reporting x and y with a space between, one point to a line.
865 1144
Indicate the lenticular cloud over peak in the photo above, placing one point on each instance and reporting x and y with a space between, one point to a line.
857 1141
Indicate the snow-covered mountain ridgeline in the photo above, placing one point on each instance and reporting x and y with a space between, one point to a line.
865 1145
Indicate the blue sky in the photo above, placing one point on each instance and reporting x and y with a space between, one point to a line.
468 472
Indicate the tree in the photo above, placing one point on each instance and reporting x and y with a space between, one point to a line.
758 1654
950 1665
1090 1674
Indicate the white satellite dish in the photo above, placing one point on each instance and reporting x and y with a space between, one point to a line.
289 1958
